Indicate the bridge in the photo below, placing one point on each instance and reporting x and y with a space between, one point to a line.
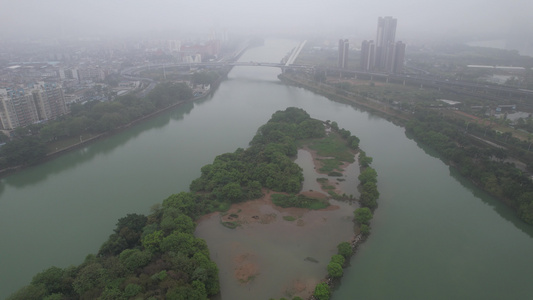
132 72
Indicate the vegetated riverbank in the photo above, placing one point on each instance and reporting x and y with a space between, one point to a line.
343 96
477 159
40 157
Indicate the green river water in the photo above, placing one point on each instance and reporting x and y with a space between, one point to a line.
434 235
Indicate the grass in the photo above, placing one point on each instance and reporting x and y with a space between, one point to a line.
333 146
335 149
300 201
328 187
329 164
334 174
231 225
335 195
289 218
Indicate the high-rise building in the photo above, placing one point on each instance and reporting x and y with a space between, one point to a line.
344 46
49 100
368 52
21 107
399 57
385 38
384 55
17 108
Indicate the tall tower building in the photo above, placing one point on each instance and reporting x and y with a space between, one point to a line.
49 100
399 57
21 107
384 55
17 108
368 52
344 47
385 38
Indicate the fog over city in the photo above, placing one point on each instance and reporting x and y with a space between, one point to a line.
471 19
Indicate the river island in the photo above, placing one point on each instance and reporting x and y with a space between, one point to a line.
268 227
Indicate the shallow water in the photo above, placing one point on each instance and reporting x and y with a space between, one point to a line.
282 252
277 250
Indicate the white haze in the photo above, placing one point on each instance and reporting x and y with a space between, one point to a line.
438 19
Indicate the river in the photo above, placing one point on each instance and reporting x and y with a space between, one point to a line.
434 235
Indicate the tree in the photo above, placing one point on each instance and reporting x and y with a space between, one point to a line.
363 215
231 192
369 195
339 259
3 137
364 229
29 292
335 270
152 241
134 222
23 151
345 249
180 222
92 276
51 279
322 291
113 246
368 175
204 77
364 161
132 259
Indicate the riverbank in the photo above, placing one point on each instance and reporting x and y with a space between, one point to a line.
94 138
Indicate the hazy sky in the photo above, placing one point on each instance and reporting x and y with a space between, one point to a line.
344 18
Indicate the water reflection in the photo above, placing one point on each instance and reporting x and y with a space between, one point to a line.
502 210
103 146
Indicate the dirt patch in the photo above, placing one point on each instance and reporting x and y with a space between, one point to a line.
246 267
257 211
301 288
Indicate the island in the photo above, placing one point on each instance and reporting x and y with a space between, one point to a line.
162 255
